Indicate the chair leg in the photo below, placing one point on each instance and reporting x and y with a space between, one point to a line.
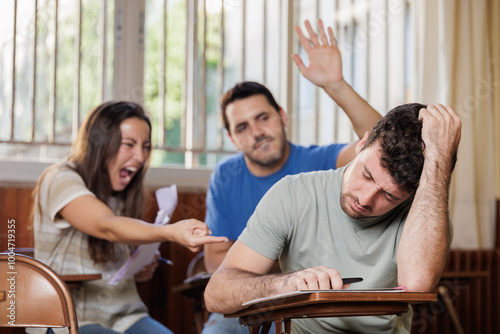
443 291
278 325
265 327
254 329
288 326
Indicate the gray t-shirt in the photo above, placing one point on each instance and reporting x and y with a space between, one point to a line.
300 221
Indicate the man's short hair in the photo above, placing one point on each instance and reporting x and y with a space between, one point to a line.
399 134
243 90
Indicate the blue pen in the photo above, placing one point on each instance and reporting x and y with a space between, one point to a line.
166 261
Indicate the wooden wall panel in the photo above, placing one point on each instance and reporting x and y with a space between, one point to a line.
176 313
15 205
165 306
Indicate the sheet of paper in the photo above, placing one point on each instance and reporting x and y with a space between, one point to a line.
143 255
300 292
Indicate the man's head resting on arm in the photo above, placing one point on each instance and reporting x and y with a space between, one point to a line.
391 158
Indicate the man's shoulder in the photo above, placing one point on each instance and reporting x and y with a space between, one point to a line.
230 162
312 177
316 148
230 168
314 157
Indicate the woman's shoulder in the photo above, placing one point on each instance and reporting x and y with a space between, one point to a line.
61 174
61 169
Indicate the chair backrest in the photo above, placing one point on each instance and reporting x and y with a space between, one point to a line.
35 296
196 265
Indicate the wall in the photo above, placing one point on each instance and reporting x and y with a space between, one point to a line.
170 308
166 306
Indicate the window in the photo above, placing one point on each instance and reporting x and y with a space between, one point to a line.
59 58
56 64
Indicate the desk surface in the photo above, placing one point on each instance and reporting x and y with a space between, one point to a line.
80 278
328 304
199 281
76 281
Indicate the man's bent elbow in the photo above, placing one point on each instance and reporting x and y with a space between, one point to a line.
210 303
418 284
215 301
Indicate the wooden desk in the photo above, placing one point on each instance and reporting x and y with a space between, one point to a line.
2 295
193 288
76 281
72 281
327 304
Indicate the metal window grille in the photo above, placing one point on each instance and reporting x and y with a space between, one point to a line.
59 58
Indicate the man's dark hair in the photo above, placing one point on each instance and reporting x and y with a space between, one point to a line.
399 134
243 90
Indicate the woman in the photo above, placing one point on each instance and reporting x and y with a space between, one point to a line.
87 211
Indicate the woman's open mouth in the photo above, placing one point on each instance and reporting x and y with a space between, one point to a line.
127 173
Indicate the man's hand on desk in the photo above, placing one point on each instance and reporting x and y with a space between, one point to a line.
317 278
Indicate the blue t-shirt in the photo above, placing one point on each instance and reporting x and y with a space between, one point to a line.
234 192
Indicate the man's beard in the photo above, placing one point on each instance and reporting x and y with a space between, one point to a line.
344 198
270 161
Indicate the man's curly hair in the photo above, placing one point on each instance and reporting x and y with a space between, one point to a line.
399 134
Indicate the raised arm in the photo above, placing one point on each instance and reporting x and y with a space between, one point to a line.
241 277
325 71
425 240
93 217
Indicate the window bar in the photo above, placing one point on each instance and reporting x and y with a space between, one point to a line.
191 55
33 81
280 48
336 107
317 104
367 79
264 39
163 80
203 98
77 78
292 79
407 38
52 107
220 80
104 42
405 51
243 37
352 34
386 53
13 95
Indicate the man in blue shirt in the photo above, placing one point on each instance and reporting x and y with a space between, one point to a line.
256 125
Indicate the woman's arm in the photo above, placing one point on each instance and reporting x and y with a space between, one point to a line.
91 216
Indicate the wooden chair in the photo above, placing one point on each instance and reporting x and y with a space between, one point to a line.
34 295
193 288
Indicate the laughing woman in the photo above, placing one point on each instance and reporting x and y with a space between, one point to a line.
87 214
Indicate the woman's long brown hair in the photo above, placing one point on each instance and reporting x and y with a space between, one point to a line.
97 143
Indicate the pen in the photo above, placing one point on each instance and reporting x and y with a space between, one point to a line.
351 280
166 261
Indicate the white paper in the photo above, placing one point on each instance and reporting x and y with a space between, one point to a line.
144 254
